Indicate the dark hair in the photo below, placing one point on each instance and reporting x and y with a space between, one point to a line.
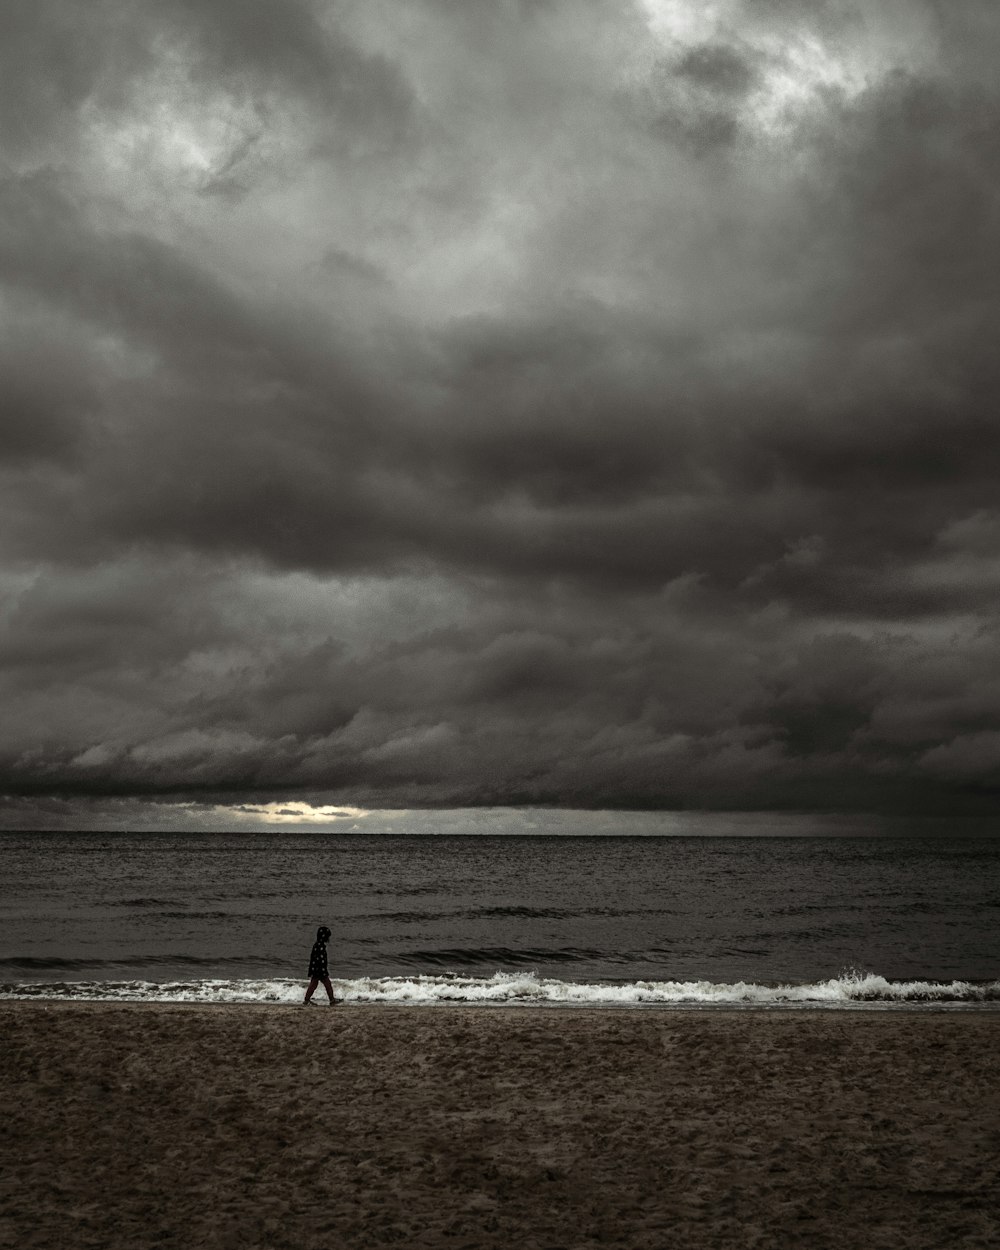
322 933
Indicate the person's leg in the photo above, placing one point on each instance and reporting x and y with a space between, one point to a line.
329 988
310 988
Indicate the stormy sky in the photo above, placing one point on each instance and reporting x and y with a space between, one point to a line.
418 403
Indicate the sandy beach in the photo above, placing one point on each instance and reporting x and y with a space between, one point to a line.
267 1126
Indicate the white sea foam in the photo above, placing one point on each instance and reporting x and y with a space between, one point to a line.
525 988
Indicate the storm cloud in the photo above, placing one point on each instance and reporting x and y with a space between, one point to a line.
515 402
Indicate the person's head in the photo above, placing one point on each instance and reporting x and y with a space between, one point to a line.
322 934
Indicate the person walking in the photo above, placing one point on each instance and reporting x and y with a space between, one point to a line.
318 971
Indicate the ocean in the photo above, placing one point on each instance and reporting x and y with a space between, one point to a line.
776 922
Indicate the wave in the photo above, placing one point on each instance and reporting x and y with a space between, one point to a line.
507 913
494 955
145 901
29 963
527 989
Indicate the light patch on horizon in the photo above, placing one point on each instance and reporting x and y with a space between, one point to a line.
295 813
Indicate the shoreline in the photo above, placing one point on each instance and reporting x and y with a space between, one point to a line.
856 991
130 1124
877 1007
26 993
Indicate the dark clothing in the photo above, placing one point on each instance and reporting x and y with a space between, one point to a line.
317 961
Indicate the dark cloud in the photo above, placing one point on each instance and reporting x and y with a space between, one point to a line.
553 403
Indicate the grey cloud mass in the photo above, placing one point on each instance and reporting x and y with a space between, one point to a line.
515 402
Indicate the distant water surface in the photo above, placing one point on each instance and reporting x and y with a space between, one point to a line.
240 910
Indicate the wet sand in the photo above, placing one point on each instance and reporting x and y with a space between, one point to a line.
137 1126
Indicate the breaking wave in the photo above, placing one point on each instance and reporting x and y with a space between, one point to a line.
527 989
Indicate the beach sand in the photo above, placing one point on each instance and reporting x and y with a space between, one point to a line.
275 1126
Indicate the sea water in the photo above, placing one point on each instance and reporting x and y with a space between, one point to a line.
567 920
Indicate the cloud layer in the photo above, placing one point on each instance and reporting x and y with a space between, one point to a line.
512 402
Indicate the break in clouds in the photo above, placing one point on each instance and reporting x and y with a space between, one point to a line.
508 402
